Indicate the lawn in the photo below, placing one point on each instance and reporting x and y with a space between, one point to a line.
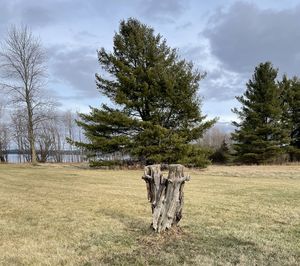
69 215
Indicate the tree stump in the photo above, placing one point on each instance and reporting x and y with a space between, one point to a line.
165 194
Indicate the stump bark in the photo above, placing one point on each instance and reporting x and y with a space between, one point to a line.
165 195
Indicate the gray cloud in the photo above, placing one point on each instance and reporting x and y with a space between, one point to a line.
84 35
196 53
75 68
37 15
164 11
46 13
222 85
245 35
219 83
29 12
6 9
184 26
40 13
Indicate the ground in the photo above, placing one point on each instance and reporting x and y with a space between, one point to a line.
68 215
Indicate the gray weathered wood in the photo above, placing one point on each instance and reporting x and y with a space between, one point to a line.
165 195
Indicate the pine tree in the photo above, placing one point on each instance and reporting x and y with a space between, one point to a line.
294 104
260 135
156 112
290 89
222 154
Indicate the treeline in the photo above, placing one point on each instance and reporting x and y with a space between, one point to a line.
50 137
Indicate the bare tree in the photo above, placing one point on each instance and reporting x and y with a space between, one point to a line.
4 136
70 125
20 134
48 139
22 65
213 138
4 142
58 145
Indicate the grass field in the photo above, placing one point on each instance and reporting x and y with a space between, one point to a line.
67 215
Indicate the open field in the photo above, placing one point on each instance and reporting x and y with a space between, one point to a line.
66 215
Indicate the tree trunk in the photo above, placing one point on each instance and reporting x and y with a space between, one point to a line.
165 195
30 129
2 158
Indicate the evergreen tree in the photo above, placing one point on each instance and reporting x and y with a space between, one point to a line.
156 108
290 89
222 154
260 135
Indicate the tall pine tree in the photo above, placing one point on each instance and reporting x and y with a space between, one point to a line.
156 112
290 90
260 135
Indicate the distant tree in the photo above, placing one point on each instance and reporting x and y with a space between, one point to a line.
213 138
221 155
4 135
20 134
45 127
46 140
54 130
260 135
22 65
70 128
156 112
290 93
294 105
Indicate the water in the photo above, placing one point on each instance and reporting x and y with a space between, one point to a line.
66 158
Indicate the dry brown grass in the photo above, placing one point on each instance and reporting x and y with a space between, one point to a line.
68 215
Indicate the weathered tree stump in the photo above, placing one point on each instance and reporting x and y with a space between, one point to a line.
165 194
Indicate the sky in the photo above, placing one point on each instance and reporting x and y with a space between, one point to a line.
224 38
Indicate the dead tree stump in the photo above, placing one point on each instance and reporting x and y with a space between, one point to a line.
165 194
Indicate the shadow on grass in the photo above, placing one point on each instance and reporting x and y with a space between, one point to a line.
176 247
181 246
130 222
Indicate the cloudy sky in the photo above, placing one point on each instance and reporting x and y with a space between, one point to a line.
224 38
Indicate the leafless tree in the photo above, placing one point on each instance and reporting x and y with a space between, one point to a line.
48 139
4 142
20 133
4 135
214 138
22 66
58 145
70 125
